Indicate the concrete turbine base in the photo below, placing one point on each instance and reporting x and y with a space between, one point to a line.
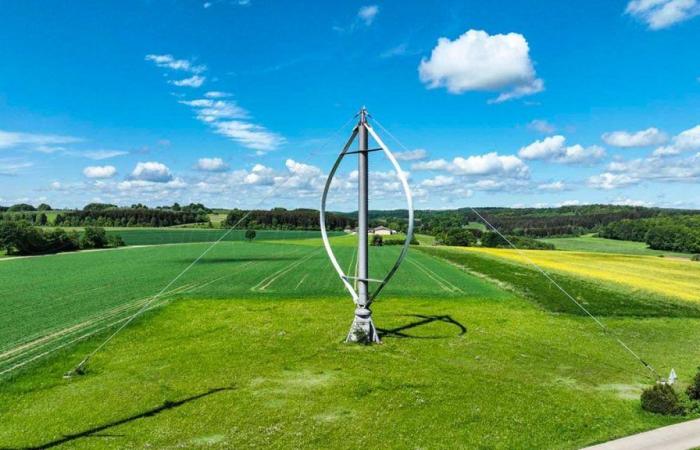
362 330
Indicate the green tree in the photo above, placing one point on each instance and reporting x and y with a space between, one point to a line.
42 219
44 207
250 235
94 237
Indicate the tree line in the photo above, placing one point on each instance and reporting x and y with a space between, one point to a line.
21 238
678 233
106 215
284 219
528 222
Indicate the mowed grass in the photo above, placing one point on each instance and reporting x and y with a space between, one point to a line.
591 243
53 301
673 278
273 372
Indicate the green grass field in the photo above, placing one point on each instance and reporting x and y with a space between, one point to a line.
246 351
590 243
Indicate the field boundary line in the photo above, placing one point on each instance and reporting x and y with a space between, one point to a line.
428 271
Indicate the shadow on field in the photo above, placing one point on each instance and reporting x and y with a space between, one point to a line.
95 431
398 332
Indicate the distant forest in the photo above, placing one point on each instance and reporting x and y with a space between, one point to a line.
663 229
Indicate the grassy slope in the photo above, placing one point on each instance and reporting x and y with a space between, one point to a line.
590 243
295 384
517 367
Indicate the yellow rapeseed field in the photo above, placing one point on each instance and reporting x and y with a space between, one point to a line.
672 277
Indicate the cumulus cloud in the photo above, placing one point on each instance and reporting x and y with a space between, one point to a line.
211 165
659 14
368 13
434 164
643 138
688 140
438 181
170 62
151 171
654 168
411 155
489 164
477 61
193 81
554 149
100 171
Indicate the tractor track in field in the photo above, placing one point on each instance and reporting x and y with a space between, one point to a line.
443 283
267 281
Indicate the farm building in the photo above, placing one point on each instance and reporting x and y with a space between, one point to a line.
381 230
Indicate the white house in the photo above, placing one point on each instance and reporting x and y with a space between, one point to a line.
382 231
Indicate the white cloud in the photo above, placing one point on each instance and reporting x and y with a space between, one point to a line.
553 186
368 13
652 169
217 94
193 81
99 155
151 171
100 171
489 164
554 149
659 14
10 139
212 110
435 164
688 140
541 126
477 61
211 165
411 155
625 201
643 138
569 203
438 181
249 135
170 62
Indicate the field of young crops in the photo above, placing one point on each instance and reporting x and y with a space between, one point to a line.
246 348
54 300
156 236
675 278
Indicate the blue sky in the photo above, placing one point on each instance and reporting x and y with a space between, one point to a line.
237 103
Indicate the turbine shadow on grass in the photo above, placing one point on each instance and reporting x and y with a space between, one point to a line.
398 332
95 431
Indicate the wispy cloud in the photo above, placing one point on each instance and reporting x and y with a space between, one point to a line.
193 81
368 13
660 14
34 141
170 62
99 155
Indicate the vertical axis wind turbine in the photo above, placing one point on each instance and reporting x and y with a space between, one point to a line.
363 329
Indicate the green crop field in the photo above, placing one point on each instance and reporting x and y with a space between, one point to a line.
155 236
245 350
590 243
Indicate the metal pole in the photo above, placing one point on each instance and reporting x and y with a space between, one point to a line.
363 329
362 212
